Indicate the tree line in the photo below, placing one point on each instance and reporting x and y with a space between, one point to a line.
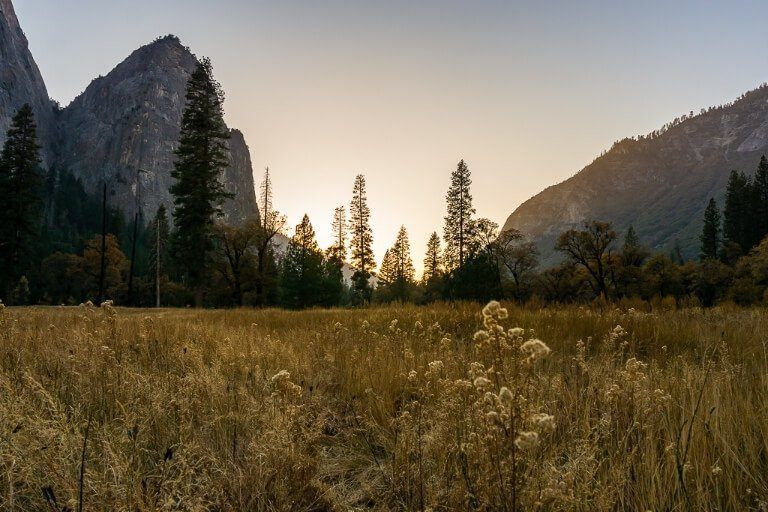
60 245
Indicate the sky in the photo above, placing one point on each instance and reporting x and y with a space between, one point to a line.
527 92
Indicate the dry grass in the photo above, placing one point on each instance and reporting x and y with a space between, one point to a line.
189 410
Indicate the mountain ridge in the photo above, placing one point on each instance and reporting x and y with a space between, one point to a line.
659 183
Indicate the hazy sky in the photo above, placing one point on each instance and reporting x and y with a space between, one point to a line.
528 92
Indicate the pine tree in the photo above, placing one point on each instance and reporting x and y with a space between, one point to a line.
396 276
402 253
737 215
630 239
302 271
710 234
362 239
265 199
21 187
433 260
760 196
633 254
159 256
457 232
202 157
272 224
338 250
388 269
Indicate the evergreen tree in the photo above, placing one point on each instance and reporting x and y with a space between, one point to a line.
631 239
21 187
402 250
265 207
272 224
361 244
405 272
302 270
388 269
202 157
457 232
632 252
737 216
760 196
710 234
334 288
676 254
159 255
338 250
433 260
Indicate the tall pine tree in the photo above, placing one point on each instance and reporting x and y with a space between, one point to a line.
272 224
457 232
202 157
361 244
159 257
710 234
21 187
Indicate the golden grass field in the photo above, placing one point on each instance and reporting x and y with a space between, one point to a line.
391 408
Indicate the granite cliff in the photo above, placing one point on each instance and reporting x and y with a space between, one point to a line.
125 121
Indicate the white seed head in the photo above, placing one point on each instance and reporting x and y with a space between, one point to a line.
527 441
544 421
506 397
535 349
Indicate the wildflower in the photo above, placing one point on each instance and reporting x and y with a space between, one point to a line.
544 421
717 470
481 336
527 441
435 366
413 376
418 325
281 376
482 382
535 349
393 325
492 309
462 384
337 326
107 303
89 304
506 397
516 332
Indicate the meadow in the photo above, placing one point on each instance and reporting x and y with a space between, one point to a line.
443 407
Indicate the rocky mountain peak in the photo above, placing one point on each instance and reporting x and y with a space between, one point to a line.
129 120
123 122
21 81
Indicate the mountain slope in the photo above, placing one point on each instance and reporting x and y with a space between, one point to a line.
21 81
660 184
129 120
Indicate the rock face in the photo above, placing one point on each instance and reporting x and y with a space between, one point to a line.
21 82
123 122
659 184
129 120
